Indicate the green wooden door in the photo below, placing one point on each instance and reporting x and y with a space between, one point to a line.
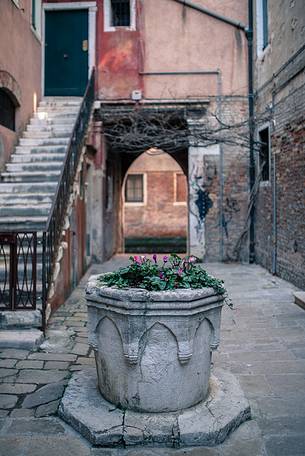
66 52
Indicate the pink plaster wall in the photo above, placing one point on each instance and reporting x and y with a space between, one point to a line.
119 58
178 38
20 58
170 37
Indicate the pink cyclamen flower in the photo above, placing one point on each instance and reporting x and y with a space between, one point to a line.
155 258
165 259
161 275
137 259
192 259
180 271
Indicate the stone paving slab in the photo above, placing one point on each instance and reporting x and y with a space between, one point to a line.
43 395
262 339
40 376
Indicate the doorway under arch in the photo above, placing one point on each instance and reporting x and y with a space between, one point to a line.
155 204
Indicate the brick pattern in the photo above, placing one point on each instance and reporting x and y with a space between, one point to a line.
159 217
288 153
223 227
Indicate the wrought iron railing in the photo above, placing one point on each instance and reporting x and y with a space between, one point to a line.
52 235
18 271
18 250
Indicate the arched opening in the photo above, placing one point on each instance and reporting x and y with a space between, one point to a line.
8 109
155 204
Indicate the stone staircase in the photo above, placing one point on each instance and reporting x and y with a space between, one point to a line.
27 189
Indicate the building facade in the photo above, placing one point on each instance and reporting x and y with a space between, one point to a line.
20 55
280 132
191 81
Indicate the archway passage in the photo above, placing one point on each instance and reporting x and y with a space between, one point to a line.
128 132
155 208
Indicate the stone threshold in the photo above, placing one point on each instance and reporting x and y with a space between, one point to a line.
299 299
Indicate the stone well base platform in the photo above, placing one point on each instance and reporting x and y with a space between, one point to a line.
206 424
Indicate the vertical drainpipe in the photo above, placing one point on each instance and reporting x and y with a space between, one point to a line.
249 34
221 166
274 198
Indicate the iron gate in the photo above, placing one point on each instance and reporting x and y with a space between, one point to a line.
18 270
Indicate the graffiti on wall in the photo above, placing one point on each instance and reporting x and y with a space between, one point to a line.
231 208
200 201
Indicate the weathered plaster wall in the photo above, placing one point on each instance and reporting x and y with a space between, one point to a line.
180 39
159 215
20 68
286 22
119 57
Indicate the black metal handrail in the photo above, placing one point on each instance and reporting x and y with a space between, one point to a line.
53 233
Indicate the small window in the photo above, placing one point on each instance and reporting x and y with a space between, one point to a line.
120 13
7 110
265 23
262 25
180 188
36 16
134 188
264 154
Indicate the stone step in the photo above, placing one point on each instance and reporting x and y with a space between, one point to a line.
15 223
37 158
25 198
55 149
34 166
43 142
59 98
24 339
62 121
28 187
55 116
45 102
20 319
49 109
62 133
50 128
15 210
299 298
30 176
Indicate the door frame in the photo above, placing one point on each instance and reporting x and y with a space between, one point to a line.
92 9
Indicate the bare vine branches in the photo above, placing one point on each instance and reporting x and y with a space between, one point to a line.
138 130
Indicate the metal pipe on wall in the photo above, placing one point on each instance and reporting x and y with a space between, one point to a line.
211 13
249 34
274 199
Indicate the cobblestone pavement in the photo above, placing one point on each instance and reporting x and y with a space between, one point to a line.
262 343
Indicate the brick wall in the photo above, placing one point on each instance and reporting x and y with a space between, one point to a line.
288 157
226 179
160 215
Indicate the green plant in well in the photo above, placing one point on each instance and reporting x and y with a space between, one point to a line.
171 273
